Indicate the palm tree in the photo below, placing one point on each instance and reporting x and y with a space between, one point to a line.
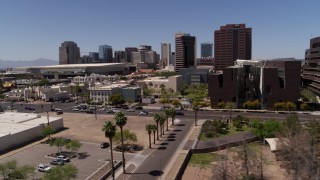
167 115
157 119
172 113
154 129
121 120
162 120
149 130
109 130
195 109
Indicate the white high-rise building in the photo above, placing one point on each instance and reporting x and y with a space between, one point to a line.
166 53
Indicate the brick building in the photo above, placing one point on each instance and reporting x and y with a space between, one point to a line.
269 81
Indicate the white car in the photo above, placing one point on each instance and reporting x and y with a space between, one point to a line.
43 168
130 110
102 109
143 113
64 158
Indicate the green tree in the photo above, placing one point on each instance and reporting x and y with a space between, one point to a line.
42 82
167 115
128 137
183 88
47 131
267 129
221 105
59 143
157 118
176 103
230 106
195 108
146 91
163 101
109 130
161 122
65 172
149 130
116 99
172 113
121 120
304 107
290 106
154 130
278 106
73 145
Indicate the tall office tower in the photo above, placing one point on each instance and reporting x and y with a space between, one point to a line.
145 48
312 66
231 42
94 56
166 53
206 49
119 56
105 54
86 60
185 51
69 53
129 50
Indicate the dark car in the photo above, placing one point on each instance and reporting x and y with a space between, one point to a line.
57 162
139 108
178 113
59 112
104 145
89 111
29 108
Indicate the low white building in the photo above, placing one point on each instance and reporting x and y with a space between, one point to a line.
102 93
19 128
48 93
93 78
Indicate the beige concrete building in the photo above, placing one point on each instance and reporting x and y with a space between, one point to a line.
154 83
20 128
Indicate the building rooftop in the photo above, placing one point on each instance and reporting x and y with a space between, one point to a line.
109 87
14 122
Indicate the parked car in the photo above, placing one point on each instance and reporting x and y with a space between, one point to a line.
110 111
59 112
89 111
29 108
130 110
64 158
178 113
57 162
104 145
102 109
43 168
143 113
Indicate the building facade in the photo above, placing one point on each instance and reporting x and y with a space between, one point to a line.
69 53
94 56
194 75
185 54
129 51
166 54
86 59
105 54
311 68
120 56
231 42
206 50
268 81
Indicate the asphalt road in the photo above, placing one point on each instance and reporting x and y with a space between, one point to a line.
153 166
66 107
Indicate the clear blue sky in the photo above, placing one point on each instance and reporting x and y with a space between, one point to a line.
31 29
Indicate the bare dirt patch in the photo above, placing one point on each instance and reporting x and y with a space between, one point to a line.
84 127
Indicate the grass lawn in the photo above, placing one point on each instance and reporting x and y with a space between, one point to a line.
232 131
203 159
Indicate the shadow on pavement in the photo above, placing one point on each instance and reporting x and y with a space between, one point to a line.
162 144
162 148
171 139
180 125
170 136
83 155
177 130
155 173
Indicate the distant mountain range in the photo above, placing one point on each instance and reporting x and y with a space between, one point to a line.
22 63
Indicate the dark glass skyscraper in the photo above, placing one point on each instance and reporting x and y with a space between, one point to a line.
69 53
206 49
185 51
105 54
231 42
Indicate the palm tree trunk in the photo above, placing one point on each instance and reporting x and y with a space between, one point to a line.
158 131
154 137
167 124
172 120
163 129
160 127
123 160
195 118
112 165
150 140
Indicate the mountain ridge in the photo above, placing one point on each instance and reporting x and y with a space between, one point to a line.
21 63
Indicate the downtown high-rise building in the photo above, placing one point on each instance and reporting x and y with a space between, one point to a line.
166 56
105 54
311 67
206 49
232 42
119 56
185 51
69 53
129 51
94 56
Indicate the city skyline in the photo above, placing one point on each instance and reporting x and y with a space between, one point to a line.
36 29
